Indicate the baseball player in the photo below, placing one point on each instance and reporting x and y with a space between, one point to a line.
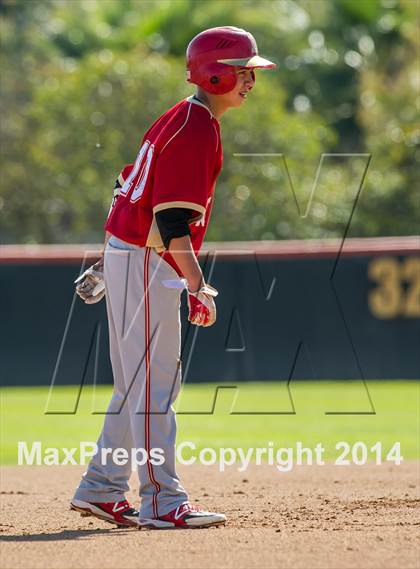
154 231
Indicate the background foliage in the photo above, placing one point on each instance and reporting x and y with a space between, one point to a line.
82 79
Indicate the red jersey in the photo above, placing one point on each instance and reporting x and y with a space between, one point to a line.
177 166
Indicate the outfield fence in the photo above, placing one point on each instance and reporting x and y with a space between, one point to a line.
287 310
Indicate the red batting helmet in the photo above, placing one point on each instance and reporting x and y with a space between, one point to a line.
212 55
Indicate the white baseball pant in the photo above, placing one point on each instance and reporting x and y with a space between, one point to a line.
143 300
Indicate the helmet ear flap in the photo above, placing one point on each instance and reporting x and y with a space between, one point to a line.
218 78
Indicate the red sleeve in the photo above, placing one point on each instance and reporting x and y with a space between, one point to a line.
123 175
184 170
119 182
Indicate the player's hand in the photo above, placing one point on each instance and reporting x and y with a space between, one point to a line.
202 309
91 285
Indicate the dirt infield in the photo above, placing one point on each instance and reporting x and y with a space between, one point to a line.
312 517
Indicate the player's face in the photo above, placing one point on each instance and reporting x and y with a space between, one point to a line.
244 84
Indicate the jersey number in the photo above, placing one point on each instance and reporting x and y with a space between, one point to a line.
142 165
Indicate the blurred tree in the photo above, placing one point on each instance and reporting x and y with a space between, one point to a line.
80 82
389 105
23 53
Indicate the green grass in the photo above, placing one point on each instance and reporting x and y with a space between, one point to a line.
396 418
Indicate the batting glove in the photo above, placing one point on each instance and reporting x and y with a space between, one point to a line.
202 309
91 287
